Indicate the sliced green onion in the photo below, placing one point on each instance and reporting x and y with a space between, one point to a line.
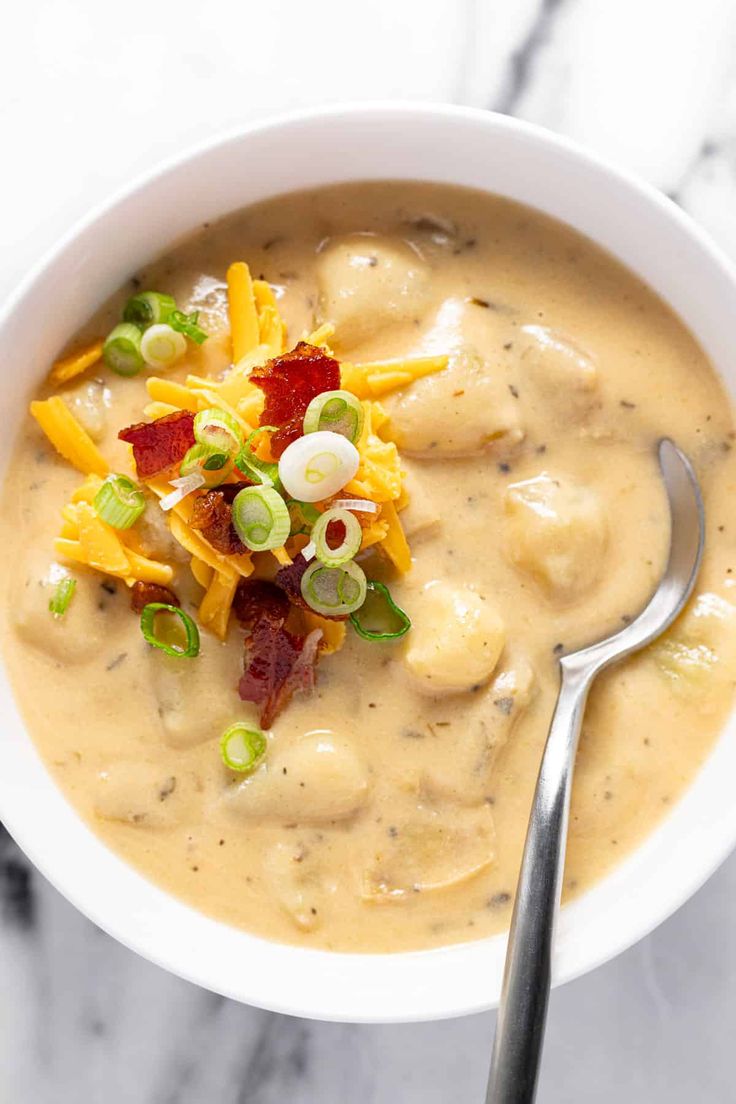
168 642
334 590
147 308
379 609
122 350
202 458
339 411
182 487
187 324
360 505
303 516
318 465
119 502
336 557
217 429
161 346
242 747
261 518
62 596
265 471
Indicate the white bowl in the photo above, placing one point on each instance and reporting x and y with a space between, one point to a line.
373 141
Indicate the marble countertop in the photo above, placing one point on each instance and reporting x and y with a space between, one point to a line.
92 94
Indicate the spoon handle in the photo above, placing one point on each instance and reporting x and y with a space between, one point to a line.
522 1014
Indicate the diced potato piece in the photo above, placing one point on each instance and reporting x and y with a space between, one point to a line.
467 408
456 639
459 412
563 375
155 536
368 282
556 531
144 794
75 637
89 403
318 778
197 699
466 774
429 848
420 518
698 651
295 879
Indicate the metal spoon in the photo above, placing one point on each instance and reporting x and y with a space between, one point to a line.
522 1013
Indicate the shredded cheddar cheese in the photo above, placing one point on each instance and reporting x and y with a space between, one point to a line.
242 310
75 364
67 436
333 632
214 609
395 544
371 380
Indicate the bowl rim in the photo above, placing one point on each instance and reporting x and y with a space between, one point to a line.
286 997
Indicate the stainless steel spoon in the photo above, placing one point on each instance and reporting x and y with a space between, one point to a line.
522 1013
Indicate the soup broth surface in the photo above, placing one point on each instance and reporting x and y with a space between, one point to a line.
391 809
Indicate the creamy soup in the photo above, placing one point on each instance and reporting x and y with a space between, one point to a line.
390 809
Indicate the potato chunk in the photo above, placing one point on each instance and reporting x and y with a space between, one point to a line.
144 794
469 407
80 633
467 748
368 282
319 778
429 848
563 375
456 639
197 699
697 654
296 879
89 403
556 531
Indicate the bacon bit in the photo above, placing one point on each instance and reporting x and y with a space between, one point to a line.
290 382
212 515
143 593
161 444
290 580
278 663
256 598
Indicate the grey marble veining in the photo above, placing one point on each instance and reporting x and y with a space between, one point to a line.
651 83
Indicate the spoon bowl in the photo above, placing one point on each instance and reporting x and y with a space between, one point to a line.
527 976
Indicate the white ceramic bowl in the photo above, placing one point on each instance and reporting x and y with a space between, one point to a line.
454 145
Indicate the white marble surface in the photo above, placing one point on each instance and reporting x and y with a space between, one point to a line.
92 93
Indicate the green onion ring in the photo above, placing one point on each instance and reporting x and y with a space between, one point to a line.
148 308
148 628
337 411
399 615
334 591
119 502
335 557
122 350
242 747
219 431
261 518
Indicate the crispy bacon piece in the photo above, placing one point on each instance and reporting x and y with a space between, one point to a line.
278 663
143 593
290 382
257 598
161 444
290 580
212 514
